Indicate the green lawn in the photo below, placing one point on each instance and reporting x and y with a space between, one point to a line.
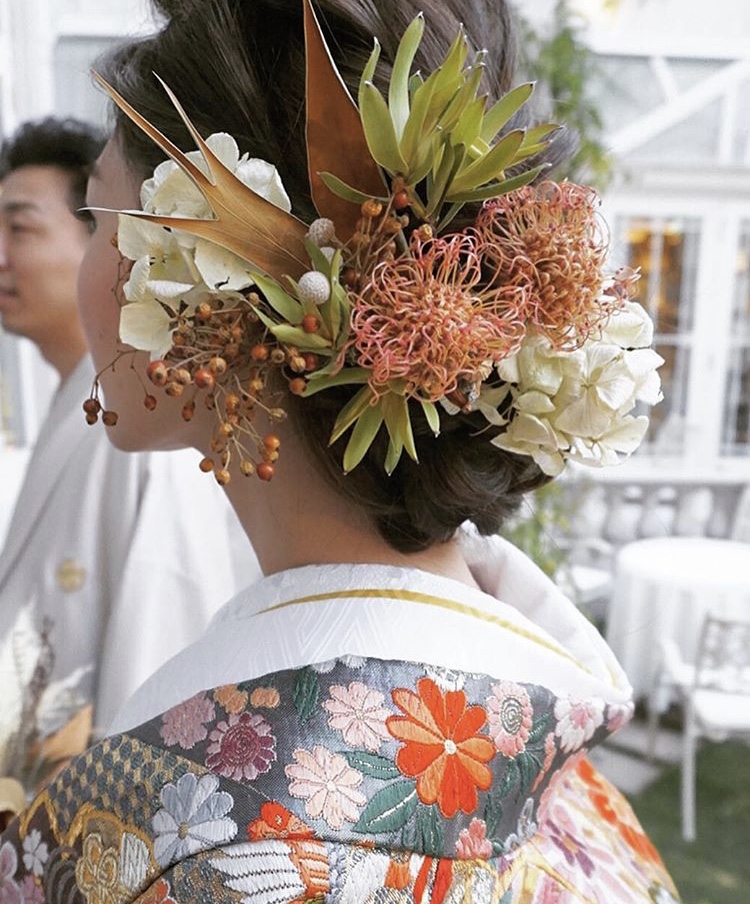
714 869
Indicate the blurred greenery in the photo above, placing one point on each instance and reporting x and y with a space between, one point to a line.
537 528
714 869
565 68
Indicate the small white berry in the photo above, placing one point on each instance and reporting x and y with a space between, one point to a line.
313 287
322 232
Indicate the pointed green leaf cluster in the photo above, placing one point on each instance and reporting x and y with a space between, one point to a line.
438 134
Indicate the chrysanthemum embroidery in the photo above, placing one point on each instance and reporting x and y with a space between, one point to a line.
328 785
193 818
442 748
510 717
357 712
242 747
185 724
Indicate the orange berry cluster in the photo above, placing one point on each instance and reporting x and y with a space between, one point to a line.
221 359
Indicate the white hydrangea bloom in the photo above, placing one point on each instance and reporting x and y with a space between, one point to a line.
174 271
576 405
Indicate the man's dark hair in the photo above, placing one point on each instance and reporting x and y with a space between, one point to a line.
70 144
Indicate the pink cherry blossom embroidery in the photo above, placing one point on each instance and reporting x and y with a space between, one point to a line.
358 713
509 716
242 747
185 724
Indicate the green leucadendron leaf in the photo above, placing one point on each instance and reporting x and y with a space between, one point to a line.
350 412
398 89
365 430
380 133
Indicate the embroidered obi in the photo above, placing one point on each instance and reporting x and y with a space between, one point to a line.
354 780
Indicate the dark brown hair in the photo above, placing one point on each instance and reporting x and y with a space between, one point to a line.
69 144
238 66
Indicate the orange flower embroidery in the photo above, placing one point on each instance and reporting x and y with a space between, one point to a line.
275 821
442 748
159 893
231 698
265 697
620 816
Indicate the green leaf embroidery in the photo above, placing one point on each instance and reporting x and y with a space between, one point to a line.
428 831
528 769
389 810
306 694
509 779
538 730
372 765
493 811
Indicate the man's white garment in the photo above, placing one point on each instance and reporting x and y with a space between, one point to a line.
127 554
518 626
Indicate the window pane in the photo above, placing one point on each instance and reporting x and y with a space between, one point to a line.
737 410
666 432
666 249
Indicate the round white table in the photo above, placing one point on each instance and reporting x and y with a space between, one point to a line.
663 588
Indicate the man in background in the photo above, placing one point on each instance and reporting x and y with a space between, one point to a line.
97 586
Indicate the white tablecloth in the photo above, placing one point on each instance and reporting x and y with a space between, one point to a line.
663 589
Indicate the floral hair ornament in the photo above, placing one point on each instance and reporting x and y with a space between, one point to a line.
514 316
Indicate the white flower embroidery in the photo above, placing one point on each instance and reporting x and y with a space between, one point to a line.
358 713
35 852
352 662
193 818
327 784
577 720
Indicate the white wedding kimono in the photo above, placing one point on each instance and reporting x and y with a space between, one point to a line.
114 550
527 629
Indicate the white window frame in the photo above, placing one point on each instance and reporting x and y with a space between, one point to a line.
720 218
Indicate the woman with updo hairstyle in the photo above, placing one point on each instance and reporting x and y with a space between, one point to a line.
329 254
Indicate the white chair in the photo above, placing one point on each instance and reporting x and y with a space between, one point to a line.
715 692
586 575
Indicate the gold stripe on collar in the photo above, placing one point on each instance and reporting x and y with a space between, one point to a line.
428 600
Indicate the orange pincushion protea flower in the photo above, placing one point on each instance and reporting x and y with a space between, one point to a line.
442 747
420 320
550 243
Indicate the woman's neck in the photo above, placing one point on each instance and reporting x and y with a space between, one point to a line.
299 519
